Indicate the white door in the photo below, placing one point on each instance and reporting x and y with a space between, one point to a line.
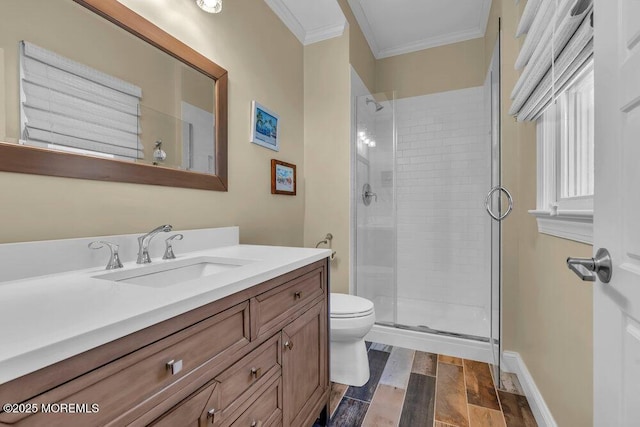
617 212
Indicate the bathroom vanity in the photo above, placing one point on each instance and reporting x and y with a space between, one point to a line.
245 345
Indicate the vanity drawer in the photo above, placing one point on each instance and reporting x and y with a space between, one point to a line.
278 306
259 364
144 375
265 410
190 412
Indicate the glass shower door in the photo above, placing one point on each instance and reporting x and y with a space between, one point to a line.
495 206
375 228
426 251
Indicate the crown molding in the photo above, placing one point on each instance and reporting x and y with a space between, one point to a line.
324 33
288 18
484 16
363 22
304 35
430 42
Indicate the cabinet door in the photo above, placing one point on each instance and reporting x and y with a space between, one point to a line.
191 412
304 364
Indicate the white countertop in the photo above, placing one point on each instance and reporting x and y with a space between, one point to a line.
46 319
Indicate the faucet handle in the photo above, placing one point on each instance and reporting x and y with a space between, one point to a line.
114 259
168 252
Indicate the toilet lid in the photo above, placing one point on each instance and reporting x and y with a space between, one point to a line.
343 305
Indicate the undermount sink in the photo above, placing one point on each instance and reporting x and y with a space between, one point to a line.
175 272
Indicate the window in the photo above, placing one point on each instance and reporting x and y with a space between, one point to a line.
566 162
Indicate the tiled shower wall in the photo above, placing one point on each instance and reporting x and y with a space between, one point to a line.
443 174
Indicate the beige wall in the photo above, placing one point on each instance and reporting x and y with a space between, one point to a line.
547 310
265 63
327 153
450 67
360 56
439 69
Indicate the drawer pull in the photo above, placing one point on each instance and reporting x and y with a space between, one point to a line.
255 423
174 366
297 295
289 345
256 372
210 414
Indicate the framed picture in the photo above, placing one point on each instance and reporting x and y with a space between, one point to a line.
265 126
283 178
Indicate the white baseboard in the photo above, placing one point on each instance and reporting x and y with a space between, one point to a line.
512 362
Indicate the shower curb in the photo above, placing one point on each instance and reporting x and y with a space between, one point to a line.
431 343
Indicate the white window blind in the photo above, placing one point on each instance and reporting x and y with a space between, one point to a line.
73 107
558 44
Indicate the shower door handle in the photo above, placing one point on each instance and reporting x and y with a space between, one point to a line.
487 203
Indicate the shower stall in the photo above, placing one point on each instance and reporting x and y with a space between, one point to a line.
426 189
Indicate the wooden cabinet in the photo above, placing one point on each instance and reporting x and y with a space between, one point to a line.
256 358
243 381
271 310
193 411
304 366
265 410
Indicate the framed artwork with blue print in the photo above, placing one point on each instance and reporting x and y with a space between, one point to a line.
265 127
283 178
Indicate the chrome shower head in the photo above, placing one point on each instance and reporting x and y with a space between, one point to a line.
377 104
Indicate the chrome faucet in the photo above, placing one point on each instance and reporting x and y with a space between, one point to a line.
144 240
114 259
168 252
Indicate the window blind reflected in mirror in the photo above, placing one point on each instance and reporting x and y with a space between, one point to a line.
69 106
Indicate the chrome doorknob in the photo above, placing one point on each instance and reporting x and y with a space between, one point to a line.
588 268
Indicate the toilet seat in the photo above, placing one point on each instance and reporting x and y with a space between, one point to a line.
349 306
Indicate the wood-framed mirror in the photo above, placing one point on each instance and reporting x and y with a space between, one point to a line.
15 156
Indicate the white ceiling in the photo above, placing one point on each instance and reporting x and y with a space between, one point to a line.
310 20
392 27
403 26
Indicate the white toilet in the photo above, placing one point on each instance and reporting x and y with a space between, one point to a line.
352 318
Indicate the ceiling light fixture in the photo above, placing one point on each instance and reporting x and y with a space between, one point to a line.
211 6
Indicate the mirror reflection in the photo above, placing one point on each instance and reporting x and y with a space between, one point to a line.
73 81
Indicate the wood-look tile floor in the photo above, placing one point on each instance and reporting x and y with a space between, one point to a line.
410 388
